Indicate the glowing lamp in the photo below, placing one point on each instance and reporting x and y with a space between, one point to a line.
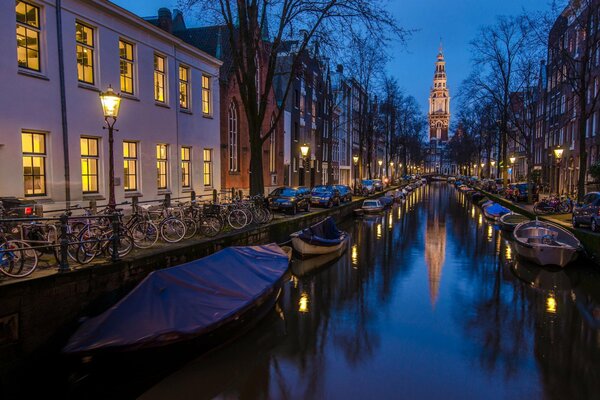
111 102
493 163
512 159
355 159
380 162
303 303
304 150
558 152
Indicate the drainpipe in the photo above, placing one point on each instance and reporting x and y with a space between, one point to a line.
63 101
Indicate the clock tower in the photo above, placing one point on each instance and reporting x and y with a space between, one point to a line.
439 102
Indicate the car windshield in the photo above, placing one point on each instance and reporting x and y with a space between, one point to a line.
287 192
367 182
370 203
321 189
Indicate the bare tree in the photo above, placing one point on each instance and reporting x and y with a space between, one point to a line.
249 36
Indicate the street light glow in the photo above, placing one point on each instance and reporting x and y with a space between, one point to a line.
304 150
558 152
111 102
512 159
355 159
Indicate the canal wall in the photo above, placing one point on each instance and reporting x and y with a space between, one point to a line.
39 313
588 239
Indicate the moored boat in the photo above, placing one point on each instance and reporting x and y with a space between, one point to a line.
307 265
508 222
545 243
495 211
386 201
210 299
373 206
321 238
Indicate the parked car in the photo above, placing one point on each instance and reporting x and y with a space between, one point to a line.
289 199
378 184
325 195
588 212
518 192
345 192
367 186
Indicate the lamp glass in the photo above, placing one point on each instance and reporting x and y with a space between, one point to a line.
111 102
512 160
304 150
558 152
355 159
380 162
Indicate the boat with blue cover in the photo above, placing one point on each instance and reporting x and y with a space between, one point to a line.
495 211
321 238
207 301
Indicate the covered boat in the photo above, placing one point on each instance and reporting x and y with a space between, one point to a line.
371 207
509 221
495 211
321 238
386 201
207 299
545 243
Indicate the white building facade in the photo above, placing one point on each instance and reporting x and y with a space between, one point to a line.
53 147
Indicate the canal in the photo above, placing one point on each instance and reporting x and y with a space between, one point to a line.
428 302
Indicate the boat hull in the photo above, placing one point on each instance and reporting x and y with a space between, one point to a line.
546 255
309 250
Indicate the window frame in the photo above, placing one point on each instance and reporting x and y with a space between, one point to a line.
95 158
184 83
125 60
186 167
161 75
29 28
42 155
207 162
85 46
233 132
162 166
135 160
206 95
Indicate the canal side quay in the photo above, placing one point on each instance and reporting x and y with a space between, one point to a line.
38 313
589 239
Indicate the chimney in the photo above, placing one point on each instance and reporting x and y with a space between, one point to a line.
178 21
165 20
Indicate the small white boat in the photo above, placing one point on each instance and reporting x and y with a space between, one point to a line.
508 222
321 238
372 206
545 243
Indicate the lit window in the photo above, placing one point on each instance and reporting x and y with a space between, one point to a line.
130 163
161 165
207 167
28 35
84 36
184 87
186 167
126 66
34 163
206 95
159 78
233 138
89 165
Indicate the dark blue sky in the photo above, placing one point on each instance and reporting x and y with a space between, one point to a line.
455 21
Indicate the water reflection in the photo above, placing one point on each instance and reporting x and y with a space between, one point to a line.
364 326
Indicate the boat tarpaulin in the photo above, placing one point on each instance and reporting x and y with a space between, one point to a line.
324 233
496 210
185 300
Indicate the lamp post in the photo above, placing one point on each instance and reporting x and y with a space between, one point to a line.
392 171
482 165
558 152
355 159
304 149
380 163
111 102
512 160
493 164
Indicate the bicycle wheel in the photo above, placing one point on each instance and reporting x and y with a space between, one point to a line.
190 228
237 219
72 248
144 234
17 259
124 246
211 226
260 215
539 209
564 208
90 244
172 230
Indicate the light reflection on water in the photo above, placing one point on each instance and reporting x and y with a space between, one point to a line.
435 307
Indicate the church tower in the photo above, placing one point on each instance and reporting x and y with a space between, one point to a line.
439 102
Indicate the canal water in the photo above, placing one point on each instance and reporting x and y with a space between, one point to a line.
427 303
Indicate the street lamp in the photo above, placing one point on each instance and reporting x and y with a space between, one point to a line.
380 163
392 170
355 159
493 164
558 152
111 102
304 149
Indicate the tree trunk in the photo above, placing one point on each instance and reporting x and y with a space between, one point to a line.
257 185
582 154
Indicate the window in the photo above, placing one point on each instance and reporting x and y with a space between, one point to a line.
184 87
28 35
206 95
126 66
159 78
207 167
130 161
161 165
84 36
233 139
89 164
34 163
186 167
